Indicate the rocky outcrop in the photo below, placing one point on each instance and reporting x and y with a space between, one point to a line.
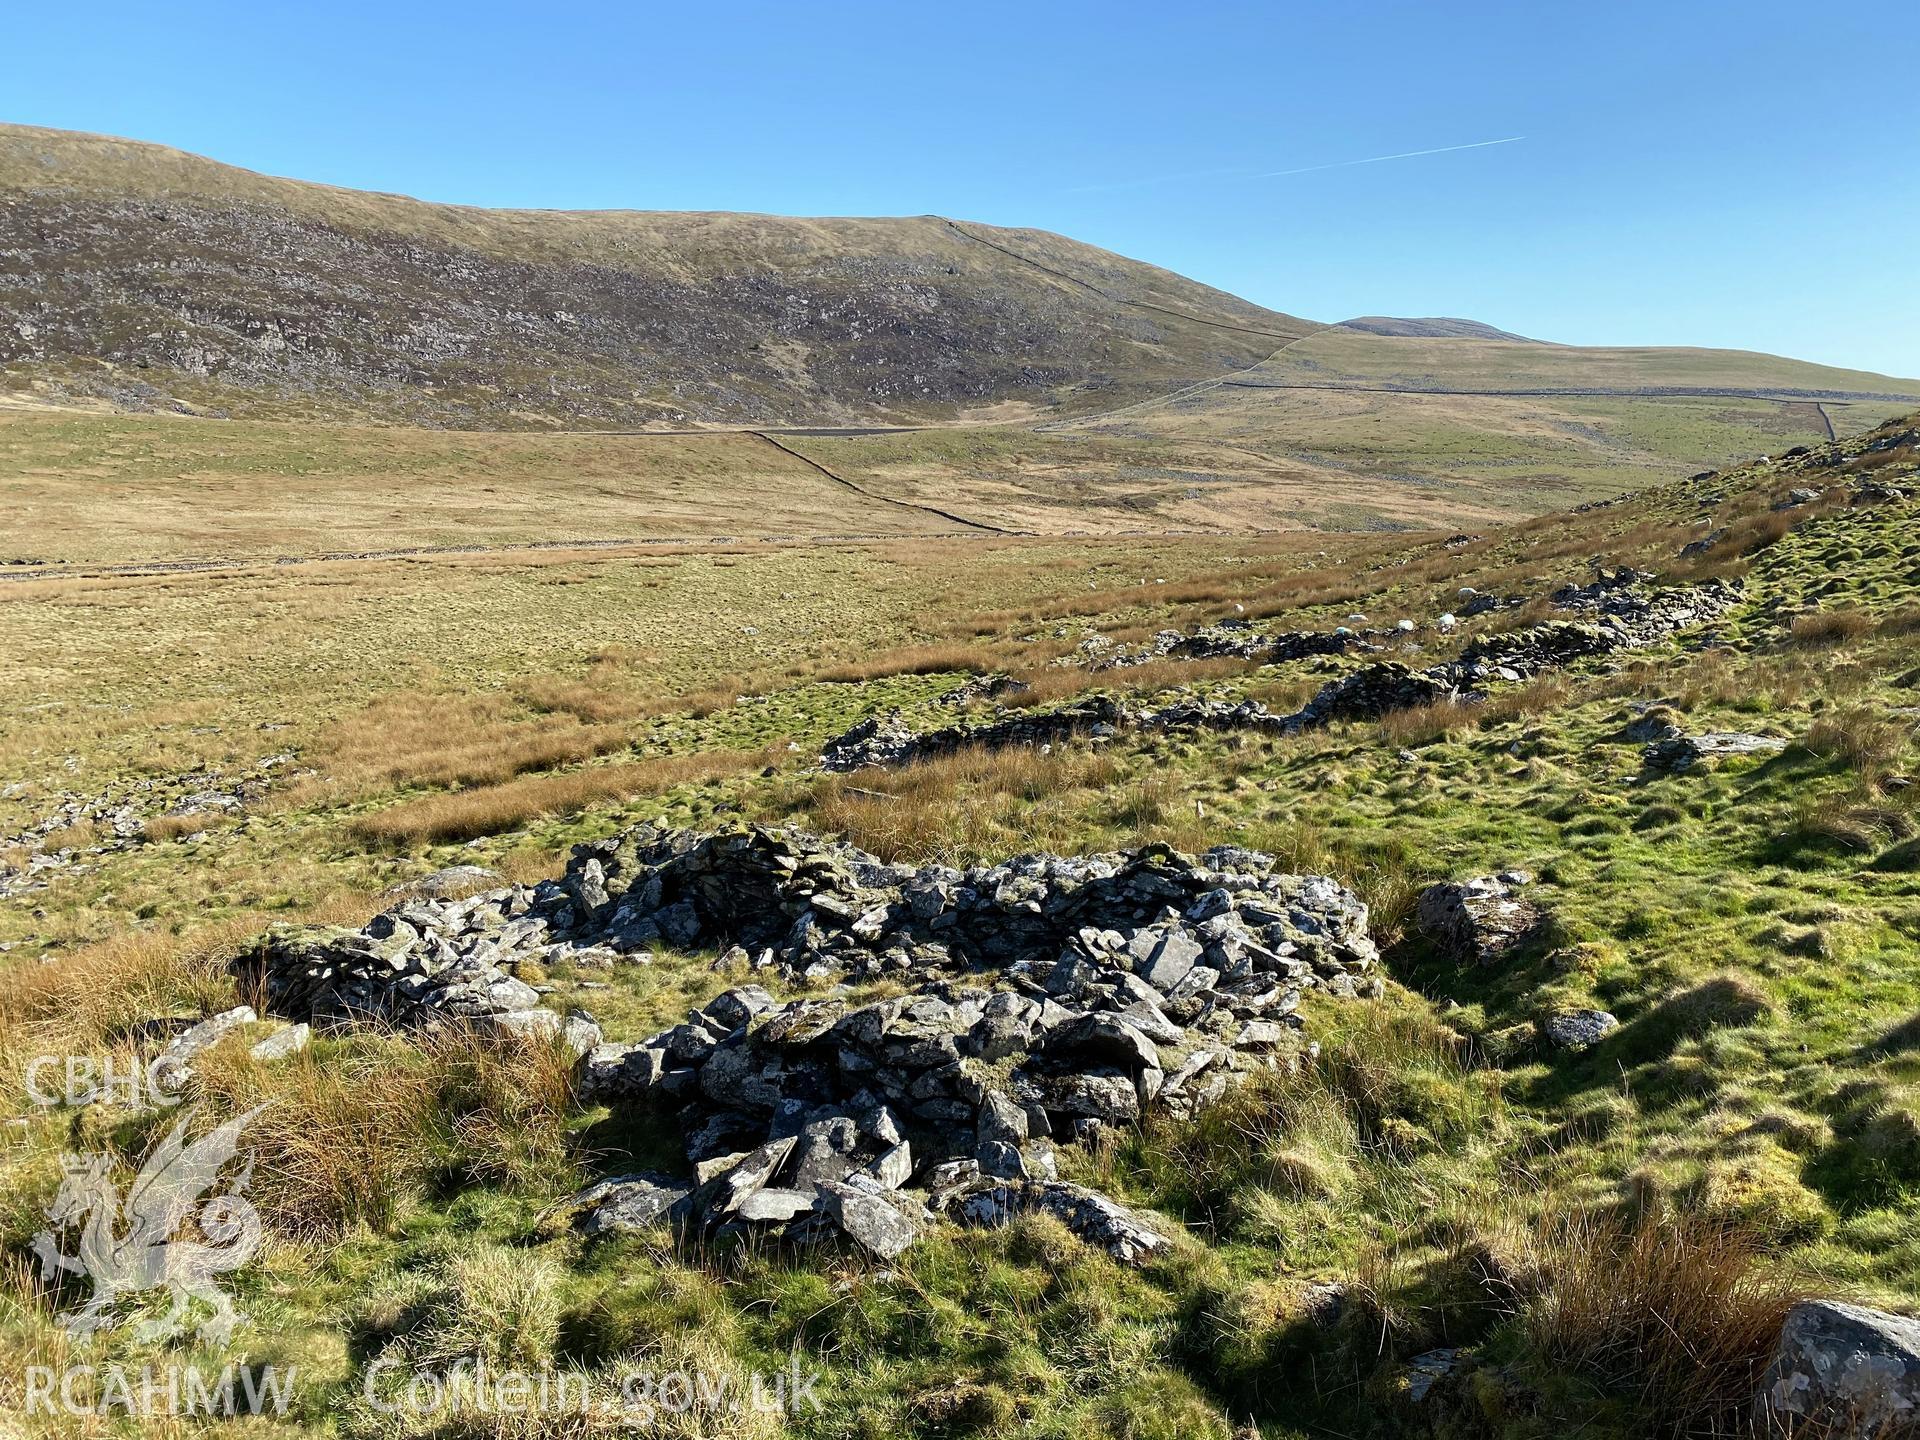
1520 654
1479 920
984 687
1845 1371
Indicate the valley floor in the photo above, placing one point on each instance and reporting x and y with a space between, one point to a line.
189 757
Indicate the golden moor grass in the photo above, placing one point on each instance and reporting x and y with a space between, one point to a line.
173 827
909 660
1423 724
959 806
94 996
350 1138
1867 741
1829 627
469 739
491 809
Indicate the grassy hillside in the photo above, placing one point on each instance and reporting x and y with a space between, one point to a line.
1432 327
148 278
1345 358
1601 1239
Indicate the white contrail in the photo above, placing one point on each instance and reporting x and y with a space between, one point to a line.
1138 181
1376 159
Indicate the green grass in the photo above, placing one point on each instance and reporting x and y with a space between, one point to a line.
1750 1131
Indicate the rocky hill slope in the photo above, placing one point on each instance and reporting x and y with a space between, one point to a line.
1433 327
144 278
151 278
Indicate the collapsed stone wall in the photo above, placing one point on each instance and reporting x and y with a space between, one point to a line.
1045 998
1235 640
1621 612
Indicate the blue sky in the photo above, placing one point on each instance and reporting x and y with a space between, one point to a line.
1719 174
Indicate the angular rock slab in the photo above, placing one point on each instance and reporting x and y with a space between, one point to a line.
173 1067
1122 1233
626 1204
1683 752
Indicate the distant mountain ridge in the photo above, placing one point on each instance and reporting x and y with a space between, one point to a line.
1433 327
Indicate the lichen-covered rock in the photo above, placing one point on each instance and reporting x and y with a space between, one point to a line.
1845 1371
1578 1029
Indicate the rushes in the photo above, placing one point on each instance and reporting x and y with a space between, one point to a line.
1680 1313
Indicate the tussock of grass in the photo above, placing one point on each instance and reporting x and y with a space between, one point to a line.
356 1137
162 828
1819 628
1423 724
1680 1316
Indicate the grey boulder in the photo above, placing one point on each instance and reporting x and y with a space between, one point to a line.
1845 1371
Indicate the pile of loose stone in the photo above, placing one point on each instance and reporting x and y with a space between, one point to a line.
1619 611
422 964
1042 1000
813 909
1053 998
